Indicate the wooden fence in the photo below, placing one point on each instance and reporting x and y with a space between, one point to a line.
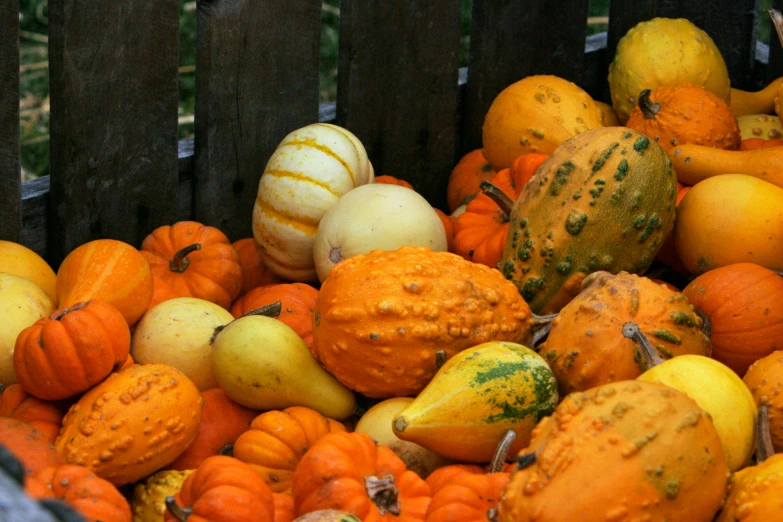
118 170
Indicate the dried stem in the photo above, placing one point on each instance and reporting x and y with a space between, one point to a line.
383 493
269 310
777 21
650 356
501 453
648 107
181 514
180 260
764 448
499 197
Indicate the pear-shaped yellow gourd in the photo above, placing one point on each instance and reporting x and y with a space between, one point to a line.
476 397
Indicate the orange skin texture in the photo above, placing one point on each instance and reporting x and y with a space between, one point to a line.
764 378
754 493
224 489
448 225
71 351
668 254
759 143
254 271
285 510
467 498
464 180
391 180
332 475
222 422
108 270
41 415
695 163
29 445
381 317
91 496
629 450
744 303
277 440
213 273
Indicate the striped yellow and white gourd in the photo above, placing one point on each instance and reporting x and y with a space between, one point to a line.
311 168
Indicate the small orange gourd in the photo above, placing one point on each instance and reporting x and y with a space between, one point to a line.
765 380
29 445
391 180
254 271
465 178
41 415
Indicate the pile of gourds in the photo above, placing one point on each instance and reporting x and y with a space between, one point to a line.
367 357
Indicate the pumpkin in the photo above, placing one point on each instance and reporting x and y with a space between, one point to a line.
43 416
317 163
668 253
91 496
604 200
480 232
327 515
19 260
222 422
586 346
297 306
285 509
764 378
149 497
381 317
730 219
29 445
222 489
536 114
132 424
71 351
254 271
744 103
758 143
277 440
629 450
391 180
448 227
665 52
195 260
685 113
695 163
760 126
743 304
609 116
465 178
350 472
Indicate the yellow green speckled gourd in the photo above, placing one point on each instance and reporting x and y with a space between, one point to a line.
604 200
476 397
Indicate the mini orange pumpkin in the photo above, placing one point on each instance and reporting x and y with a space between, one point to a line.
254 271
195 260
29 445
391 180
41 415
465 178
765 381
448 226
71 351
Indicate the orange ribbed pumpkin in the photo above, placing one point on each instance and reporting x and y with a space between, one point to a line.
254 271
764 378
465 178
41 415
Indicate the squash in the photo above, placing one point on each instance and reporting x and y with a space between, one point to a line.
40 415
695 163
465 177
71 351
391 180
743 305
536 114
254 271
761 126
744 103
664 52
19 260
476 398
30 446
327 515
685 113
758 143
764 378
149 497
381 317
629 450
668 255
608 115
604 200
730 219
132 424
317 163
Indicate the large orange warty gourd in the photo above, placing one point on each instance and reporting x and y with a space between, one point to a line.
629 450
132 424
380 318
109 270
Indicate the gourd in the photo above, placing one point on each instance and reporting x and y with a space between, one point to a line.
132 424
448 226
381 317
761 126
664 52
628 450
758 143
317 163
30 446
40 415
608 115
536 114
391 180
743 304
604 200
19 260
764 379
254 271
744 103
327 515
465 177
149 497
729 219
695 163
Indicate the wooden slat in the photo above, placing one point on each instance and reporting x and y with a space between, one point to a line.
730 23
10 174
512 39
256 81
775 68
397 87
113 122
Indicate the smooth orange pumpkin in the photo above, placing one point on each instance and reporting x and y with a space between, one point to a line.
285 509
448 226
465 178
41 415
254 271
764 378
107 270
29 445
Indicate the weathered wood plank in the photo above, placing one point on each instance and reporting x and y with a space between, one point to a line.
113 120
397 87
512 39
256 81
10 173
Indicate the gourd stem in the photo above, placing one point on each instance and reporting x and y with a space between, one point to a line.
540 335
649 108
383 493
764 448
440 359
542 320
228 450
706 328
180 260
62 312
778 272
268 310
650 356
542 324
179 513
492 514
499 458
777 21
499 197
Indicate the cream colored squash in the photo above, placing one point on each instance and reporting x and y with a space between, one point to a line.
22 303
177 332
308 172
761 126
376 217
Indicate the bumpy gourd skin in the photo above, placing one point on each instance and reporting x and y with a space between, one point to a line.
604 200
626 451
754 493
380 318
